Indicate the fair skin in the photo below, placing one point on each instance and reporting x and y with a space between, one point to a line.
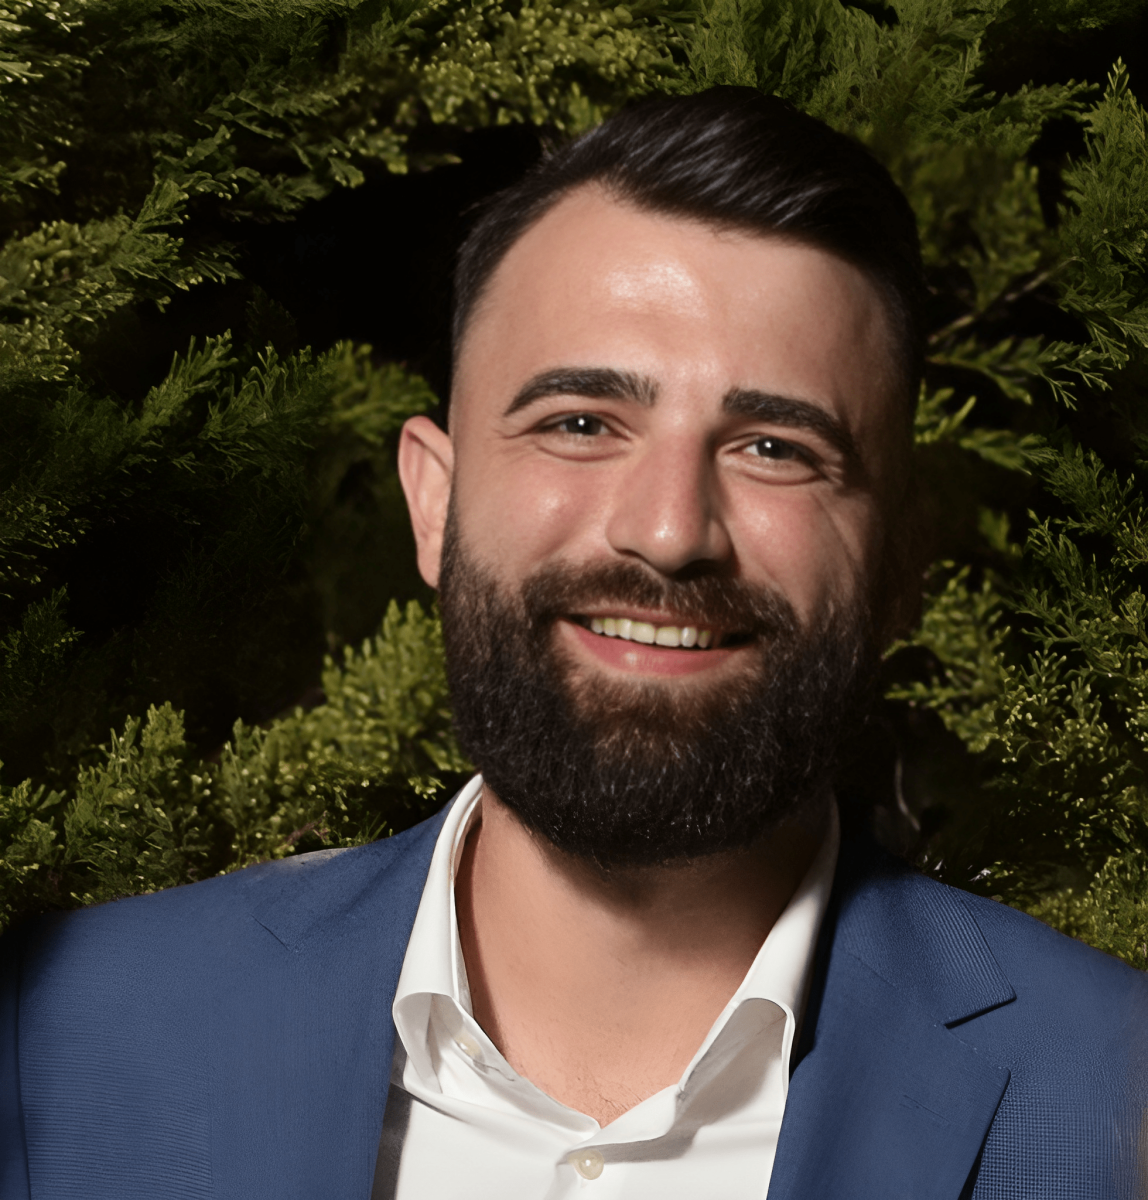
640 387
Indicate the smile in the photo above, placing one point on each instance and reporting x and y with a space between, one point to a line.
685 637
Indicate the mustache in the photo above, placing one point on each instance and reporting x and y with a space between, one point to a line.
564 589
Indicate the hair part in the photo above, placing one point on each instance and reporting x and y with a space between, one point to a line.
736 159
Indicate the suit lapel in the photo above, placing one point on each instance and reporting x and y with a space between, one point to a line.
887 1102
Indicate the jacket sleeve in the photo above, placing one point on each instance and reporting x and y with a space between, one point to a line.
14 1184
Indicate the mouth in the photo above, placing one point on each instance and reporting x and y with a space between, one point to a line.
695 637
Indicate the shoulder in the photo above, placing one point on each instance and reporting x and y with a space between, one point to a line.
914 927
148 1035
1067 1024
1029 951
1046 1006
1032 952
889 893
196 927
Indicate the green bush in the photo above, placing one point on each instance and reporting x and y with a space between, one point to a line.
187 536
174 535
149 813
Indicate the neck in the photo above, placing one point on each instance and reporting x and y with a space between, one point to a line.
599 986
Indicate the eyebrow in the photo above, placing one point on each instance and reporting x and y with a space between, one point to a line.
793 414
595 383
608 383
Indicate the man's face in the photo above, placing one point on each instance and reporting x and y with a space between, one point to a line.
699 424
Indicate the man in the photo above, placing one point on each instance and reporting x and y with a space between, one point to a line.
637 956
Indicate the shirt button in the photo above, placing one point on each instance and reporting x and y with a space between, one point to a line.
588 1163
468 1046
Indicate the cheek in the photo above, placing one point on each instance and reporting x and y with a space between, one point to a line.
815 546
524 511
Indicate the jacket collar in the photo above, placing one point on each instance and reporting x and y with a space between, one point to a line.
887 1100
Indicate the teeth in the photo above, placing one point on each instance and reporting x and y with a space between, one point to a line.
652 635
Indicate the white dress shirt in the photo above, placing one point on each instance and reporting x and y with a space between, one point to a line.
461 1123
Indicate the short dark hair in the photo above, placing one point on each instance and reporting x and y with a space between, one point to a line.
734 158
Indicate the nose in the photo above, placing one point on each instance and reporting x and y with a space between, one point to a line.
667 509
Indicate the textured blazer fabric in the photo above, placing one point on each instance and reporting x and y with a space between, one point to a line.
233 1039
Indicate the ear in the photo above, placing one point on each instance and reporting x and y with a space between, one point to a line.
426 466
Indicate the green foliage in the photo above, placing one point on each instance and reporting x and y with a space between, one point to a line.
149 813
182 537
263 108
215 473
1057 709
1103 239
187 535
1110 913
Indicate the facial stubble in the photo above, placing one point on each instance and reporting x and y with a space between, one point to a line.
629 773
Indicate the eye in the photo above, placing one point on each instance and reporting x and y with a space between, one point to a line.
774 449
581 425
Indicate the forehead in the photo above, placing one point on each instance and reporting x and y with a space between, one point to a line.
598 282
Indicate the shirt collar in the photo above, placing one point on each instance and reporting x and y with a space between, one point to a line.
783 969
434 965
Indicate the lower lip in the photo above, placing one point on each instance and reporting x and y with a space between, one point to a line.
635 658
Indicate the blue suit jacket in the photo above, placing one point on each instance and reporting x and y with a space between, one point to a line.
233 1040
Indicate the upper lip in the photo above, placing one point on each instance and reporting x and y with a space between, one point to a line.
645 614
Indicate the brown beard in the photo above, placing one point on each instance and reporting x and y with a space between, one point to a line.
640 773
